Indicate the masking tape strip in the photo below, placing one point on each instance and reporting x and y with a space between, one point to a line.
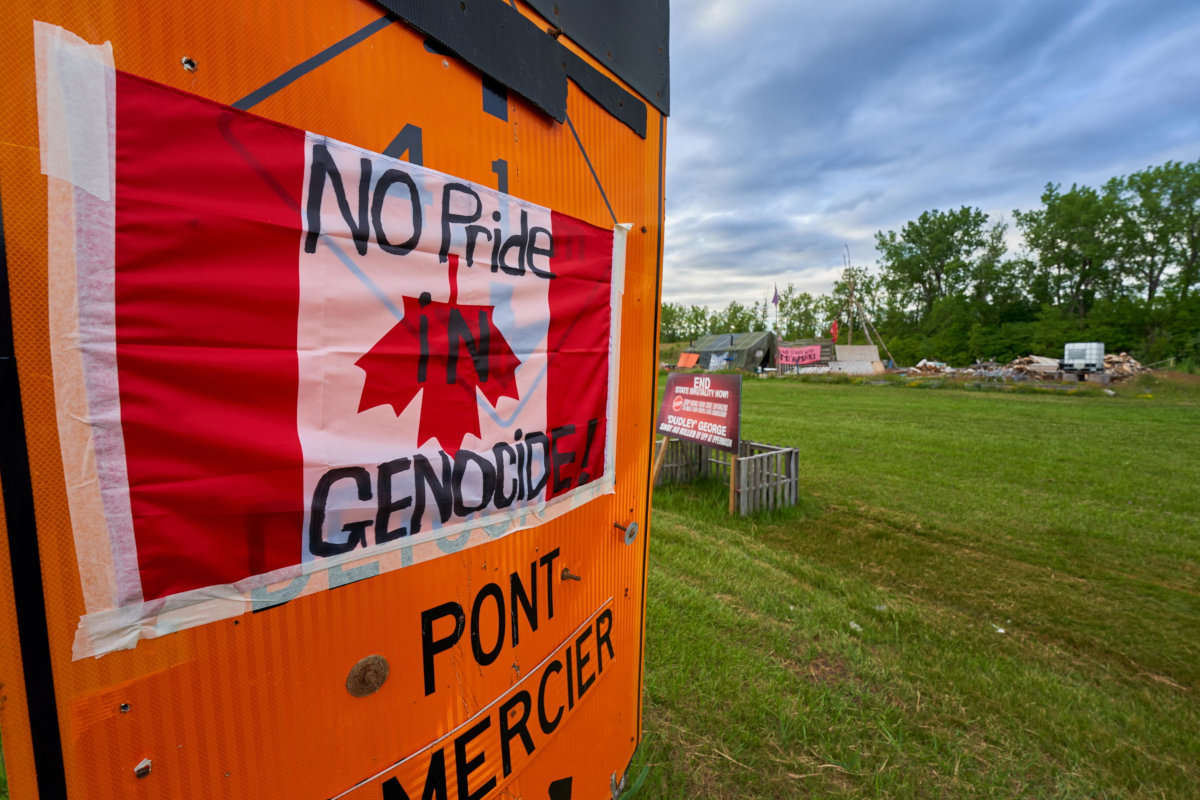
75 103
620 238
76 116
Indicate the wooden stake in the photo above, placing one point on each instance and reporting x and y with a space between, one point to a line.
733 460
658 461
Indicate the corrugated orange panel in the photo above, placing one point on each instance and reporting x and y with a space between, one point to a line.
14 709
256 706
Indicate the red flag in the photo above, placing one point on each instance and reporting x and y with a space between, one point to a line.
321 350
833 331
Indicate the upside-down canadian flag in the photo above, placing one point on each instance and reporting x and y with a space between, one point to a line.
296 351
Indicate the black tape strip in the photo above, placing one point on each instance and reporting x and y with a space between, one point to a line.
621 104
630 37
308 65
25 559
497 40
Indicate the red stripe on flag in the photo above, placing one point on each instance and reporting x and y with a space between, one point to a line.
207 290
577 379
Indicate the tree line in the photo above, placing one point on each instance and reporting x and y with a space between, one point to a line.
1119 264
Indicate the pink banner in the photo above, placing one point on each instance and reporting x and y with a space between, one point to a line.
795 356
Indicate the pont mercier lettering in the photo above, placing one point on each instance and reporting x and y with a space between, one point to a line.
441 369
317 356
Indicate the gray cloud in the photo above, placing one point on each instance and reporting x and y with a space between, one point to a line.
797 129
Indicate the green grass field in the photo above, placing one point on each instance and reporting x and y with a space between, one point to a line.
982 594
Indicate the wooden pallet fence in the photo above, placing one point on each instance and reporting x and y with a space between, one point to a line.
683 462
767 476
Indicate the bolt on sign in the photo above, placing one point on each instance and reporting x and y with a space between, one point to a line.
327 422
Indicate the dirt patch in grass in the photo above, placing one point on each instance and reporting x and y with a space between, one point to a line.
828 670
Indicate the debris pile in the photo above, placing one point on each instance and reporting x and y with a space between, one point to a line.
990 370
1019 369
927 367
1123 366
1034 367
1031 367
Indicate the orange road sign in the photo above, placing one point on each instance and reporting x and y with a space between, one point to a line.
328 409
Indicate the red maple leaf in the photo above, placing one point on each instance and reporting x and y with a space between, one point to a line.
447 351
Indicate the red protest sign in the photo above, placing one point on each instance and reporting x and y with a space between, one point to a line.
703 408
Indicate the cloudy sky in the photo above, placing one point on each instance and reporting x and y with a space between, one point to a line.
798 128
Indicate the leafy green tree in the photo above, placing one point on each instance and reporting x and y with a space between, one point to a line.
671 322
947 331
728 319
1073 237
936 256
996 293
1141 238
697 321
1002 342
737 318
1162 227
759 314
828 310
867 293
799 315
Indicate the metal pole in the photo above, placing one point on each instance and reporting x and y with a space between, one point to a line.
851 310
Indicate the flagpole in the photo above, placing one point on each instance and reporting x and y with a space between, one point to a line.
775 300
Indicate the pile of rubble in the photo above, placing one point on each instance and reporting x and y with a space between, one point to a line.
1034 367
1019 369
1117 367
1123 366
927 367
